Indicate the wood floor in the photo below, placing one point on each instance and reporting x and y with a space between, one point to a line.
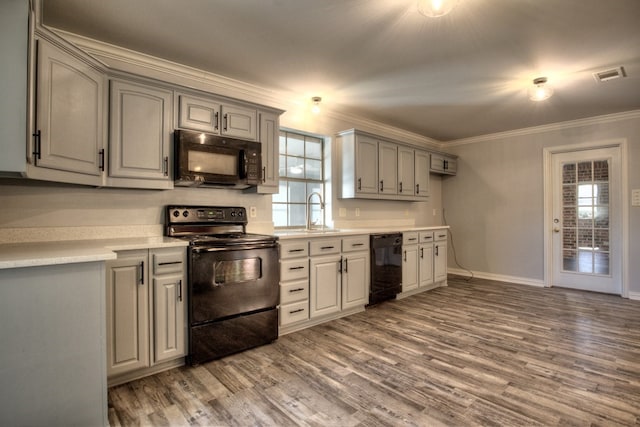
478 353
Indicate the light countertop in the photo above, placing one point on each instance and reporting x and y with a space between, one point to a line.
32 254
304 234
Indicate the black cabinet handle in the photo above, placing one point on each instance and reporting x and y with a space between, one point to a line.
36 146
142 272
421 252
295 250
400 189
405 255
327 247
296 311
417 188
179 290
296 290
357 244
346 265
381 185
300 267
225 123
359 183
437 250
101 160
166 166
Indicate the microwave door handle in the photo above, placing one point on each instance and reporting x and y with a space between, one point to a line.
244 163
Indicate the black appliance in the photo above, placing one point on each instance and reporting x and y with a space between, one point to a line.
233 281
386 267
202 159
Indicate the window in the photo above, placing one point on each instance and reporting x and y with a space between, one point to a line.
301 173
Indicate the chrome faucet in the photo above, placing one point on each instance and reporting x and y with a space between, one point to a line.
309 224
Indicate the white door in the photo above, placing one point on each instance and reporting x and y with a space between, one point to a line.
586 220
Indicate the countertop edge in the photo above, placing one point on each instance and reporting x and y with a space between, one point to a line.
301 234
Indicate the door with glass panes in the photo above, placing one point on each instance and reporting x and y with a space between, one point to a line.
586 220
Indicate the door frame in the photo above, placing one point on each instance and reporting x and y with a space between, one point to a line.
548 153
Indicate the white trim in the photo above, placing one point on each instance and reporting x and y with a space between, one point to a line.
498 277
597 120
634 295
547 153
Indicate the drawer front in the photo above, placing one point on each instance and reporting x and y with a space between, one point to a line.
295 312
355 243
440 235
426 236
295 269
410 238
324 247
169 262
297 248
294 291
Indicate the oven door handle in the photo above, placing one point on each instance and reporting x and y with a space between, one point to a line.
230 248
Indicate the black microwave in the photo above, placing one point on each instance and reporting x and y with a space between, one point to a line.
203 159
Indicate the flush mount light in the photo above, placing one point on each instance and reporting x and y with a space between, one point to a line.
540 90
436 8
315 108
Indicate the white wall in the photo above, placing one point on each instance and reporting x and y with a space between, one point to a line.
495 203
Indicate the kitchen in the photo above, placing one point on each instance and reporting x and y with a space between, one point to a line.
490 241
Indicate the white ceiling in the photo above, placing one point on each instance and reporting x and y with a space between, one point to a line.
462 75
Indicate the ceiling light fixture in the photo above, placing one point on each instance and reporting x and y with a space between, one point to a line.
315 108
540 90
436 8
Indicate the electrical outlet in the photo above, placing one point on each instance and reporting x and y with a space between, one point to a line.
253 212
357 211
342 212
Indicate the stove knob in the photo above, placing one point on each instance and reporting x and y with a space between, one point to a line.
239 213
176 214
185 214
233 213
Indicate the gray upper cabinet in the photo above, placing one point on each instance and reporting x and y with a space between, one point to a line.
68 126
444 164
14 39
376 168
140 135
217 117
269 130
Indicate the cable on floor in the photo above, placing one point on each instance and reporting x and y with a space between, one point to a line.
453 247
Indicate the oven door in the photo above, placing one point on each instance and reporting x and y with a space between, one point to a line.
227 282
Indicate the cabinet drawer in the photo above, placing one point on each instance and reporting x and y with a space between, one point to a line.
168 262
440 235
410 238
295 312
298 248
426 236
355 243
325 246
294 269
294 291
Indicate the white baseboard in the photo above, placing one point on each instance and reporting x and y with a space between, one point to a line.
634 295
498 277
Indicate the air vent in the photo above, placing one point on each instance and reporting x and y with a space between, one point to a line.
606 75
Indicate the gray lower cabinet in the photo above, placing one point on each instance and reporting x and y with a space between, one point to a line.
424 260
146 312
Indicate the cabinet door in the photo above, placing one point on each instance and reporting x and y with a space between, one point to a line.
409 267
387 168
169 317
355 280
440 261
199 114
140 136
425 265
239 122
269 132
366 165
69 112
127 313
325 285
422 162
406 172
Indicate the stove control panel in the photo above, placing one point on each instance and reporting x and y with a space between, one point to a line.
206 214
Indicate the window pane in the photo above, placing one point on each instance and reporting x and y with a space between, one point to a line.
279 215
283 142
584 172
317 187
601 170
602 194
314 148
295 167
282 171
297 215
281 197
295 145
569 195
569 173
314 169
297 192
601 219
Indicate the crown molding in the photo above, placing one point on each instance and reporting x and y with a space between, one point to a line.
597 120
126 60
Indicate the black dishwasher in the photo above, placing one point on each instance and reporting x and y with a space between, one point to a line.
386 267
